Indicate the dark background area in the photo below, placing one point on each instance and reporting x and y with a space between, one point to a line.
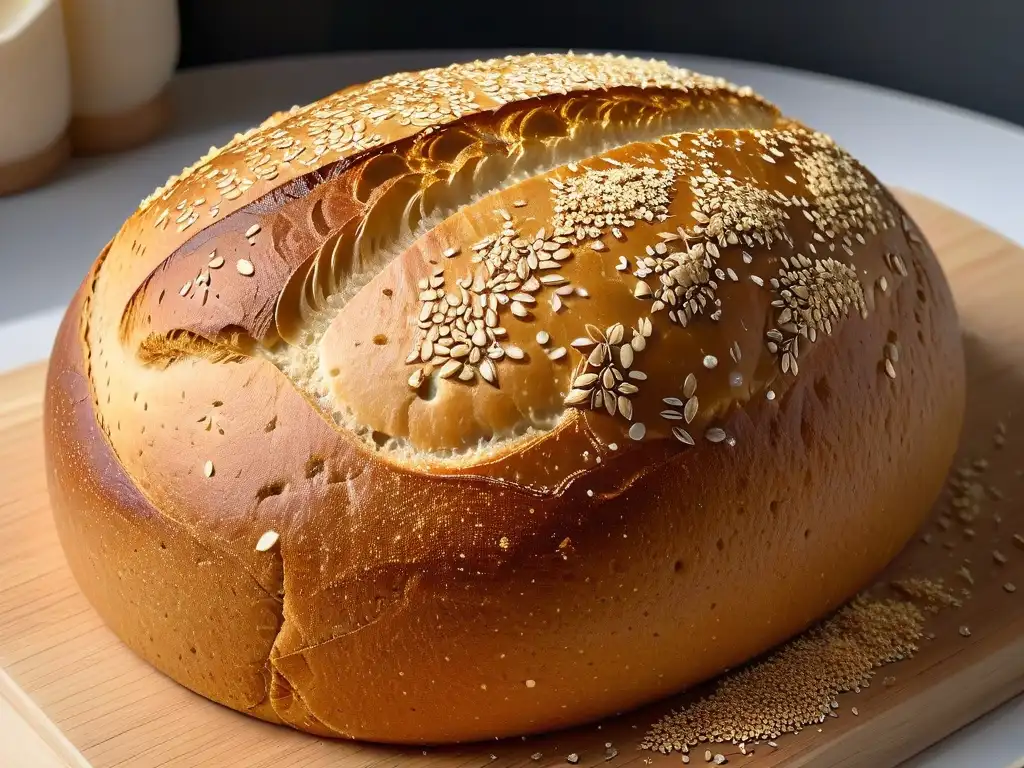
965 52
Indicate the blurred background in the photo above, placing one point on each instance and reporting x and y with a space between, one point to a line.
965 52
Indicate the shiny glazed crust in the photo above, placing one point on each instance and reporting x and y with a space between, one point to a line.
492 399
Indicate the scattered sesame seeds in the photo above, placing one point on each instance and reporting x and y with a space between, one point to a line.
208 469
267 541
216 262
245 267
933 593
710 361
796 685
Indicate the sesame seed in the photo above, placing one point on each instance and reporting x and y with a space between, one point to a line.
770 394
531 683
267 541
208 469
890 371
690 411
689 385
252 231
710 361
1010 587
451 252
185 288
637 431
597 245
543 337
715 435
245 267
965 631
519 203
573 758
216 262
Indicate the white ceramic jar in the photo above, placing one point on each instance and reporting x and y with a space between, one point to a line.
123 54
35 93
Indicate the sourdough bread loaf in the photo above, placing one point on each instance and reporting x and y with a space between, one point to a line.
495 398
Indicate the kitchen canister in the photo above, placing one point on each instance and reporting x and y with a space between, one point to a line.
123 54
35 93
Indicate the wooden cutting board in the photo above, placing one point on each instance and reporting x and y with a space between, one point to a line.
71 694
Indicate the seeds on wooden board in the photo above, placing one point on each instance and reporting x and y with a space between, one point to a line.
838 656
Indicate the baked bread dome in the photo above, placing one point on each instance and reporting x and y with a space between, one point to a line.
495 398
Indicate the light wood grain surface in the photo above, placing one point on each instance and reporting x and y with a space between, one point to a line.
72 695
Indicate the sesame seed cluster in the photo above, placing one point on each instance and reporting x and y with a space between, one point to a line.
361 118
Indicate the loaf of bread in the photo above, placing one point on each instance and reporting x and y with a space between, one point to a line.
491 399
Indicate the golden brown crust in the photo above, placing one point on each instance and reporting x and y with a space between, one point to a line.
244 377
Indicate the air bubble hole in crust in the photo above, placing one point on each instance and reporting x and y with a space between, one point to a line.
822 390
273 489
806 428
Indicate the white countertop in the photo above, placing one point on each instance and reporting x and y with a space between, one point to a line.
49 237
